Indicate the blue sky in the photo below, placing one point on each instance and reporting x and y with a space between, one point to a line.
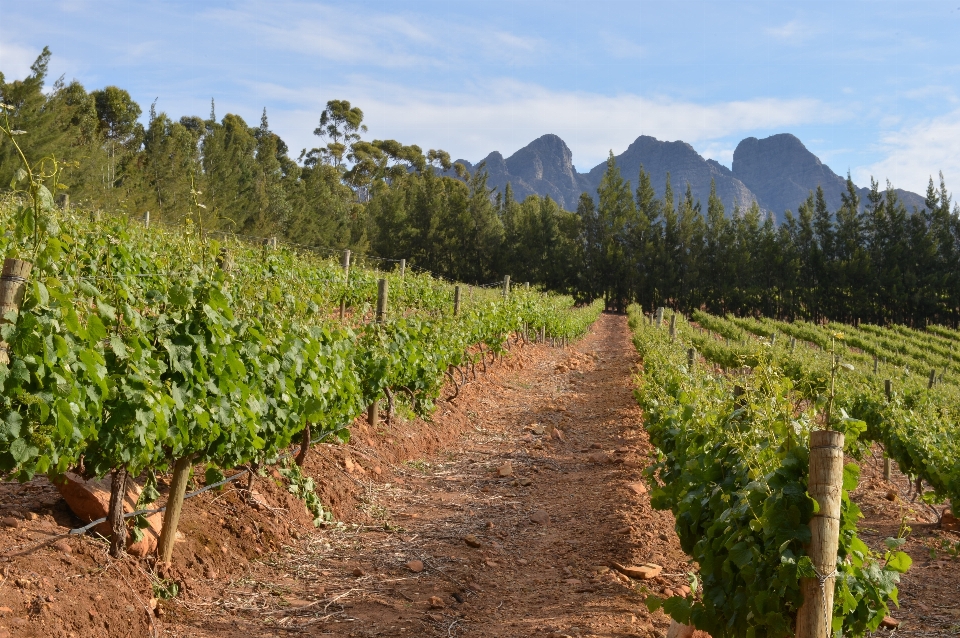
870 87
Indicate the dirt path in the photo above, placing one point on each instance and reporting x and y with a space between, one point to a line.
515 555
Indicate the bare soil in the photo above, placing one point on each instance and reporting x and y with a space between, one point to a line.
479 522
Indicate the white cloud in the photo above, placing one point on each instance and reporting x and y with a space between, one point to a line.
368 37
719 152
506 115
15 60
917 152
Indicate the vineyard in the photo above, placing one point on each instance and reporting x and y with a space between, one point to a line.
135 350
148 354
731 403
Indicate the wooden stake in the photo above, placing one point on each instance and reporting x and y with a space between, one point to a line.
171 518
381 300
691 357
146 219
673 326
825 485
343 309
373 414
876 365
933 378
793 344
403 267
13 287
345 262
304 445
506 286
118 529
456 300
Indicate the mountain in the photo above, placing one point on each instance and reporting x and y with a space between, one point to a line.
542 167
781 172
685 166
777 172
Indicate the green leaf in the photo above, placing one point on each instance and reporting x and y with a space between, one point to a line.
89 289
805 568
899 562
741 554
96 331
106 311
894 543
851 476
678 608
20 451
213 475
118 347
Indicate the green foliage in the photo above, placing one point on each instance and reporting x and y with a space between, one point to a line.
303 488
732 466
917 426
134 349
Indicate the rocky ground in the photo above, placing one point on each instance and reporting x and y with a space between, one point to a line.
501 517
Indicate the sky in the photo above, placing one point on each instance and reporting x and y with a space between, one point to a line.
872 88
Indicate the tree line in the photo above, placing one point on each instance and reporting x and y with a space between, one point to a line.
869 260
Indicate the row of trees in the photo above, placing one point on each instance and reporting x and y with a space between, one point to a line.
873 260
868 261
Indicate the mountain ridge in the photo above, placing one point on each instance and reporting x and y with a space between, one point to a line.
778 172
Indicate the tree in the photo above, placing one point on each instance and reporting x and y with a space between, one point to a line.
616 213
341 124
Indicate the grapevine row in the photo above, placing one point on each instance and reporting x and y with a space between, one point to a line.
139 351
732 467
916 423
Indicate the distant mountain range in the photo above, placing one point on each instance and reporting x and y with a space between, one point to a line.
777 172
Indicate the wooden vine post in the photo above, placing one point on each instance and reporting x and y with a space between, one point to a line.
146 219
373 412
13 287
118 529
171 517
382 291
691 358
403 267
673 326
825 485
933 378
888 390
506 286
456 300
345 262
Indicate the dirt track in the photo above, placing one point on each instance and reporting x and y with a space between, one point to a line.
526 577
